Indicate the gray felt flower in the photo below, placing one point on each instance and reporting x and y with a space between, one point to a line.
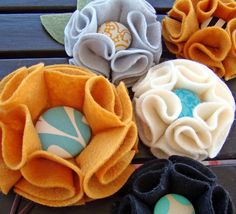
98 52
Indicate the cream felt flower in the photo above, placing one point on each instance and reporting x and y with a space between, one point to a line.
183 108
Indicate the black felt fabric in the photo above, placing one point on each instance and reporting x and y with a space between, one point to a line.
180 175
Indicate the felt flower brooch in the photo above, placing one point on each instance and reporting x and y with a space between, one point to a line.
177 185
203 31
120 39
49 112
183 108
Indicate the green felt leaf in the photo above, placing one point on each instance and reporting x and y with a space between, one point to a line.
55 25
82 3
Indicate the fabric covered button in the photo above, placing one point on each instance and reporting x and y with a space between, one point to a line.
63 131
119 34
172 204
214 21
189 100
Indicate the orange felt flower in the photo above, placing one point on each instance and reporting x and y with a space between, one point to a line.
100 170
203 31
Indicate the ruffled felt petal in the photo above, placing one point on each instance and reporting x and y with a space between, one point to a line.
26 87
50 180
129 65
8 177
204 48
94 51
216 117
65 85
19 137
101 104
176 26
155 110
230 62
216 200
205 9
106 161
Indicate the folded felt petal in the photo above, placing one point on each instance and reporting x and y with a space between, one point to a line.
8 177
19 137
176 27
94 51
230 62
205 9
129 65
50 180
146 34
103 104
67 87
155 110
215 199
158 77
106 161
217 118
80 23
186 137
26 87
206 49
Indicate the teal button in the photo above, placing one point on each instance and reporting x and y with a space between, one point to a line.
172 204
189 100
63 131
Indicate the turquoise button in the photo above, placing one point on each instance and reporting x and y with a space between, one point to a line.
189 100
172 204
63 131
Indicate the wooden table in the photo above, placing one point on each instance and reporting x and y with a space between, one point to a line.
23 41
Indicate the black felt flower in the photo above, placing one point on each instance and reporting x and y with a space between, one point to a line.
179 175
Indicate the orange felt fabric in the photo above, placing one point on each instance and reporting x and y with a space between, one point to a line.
212 46
100 170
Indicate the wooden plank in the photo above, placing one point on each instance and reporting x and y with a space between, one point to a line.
106 206
161 6
9 65
22 35
37 6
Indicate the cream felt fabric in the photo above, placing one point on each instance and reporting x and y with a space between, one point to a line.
203 31
97 51
157 110
100 170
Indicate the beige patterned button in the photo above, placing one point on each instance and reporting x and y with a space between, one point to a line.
119 34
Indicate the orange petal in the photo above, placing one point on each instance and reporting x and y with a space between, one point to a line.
106 161
207 49
226 9
205 9
176 27
50 180
26 87
8 177
66 88
101 104
19 137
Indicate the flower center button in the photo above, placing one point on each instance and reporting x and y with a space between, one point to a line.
63 131
172 204
119 34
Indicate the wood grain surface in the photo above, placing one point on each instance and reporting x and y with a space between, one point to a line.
24 42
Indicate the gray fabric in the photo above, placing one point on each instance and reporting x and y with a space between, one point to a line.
97 52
